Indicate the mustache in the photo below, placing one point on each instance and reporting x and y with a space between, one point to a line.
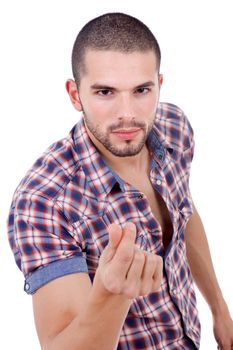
122 125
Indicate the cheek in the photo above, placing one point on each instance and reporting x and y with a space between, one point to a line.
99 110
148 107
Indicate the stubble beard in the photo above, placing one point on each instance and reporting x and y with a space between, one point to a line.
130 148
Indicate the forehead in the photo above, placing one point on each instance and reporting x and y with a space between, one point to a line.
114 66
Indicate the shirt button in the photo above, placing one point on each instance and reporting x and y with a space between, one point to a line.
174 291
160 156
27 286
158 182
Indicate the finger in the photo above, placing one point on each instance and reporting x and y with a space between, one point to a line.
125 252
158 274
149 270
115 235
132 283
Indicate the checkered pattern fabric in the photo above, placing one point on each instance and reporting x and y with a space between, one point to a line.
61 209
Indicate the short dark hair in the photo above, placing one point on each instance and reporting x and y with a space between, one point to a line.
112 31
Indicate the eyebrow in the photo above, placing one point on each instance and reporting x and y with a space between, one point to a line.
98 86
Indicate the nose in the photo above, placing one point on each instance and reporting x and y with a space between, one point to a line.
125 108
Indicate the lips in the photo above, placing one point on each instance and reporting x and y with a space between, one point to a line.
126 134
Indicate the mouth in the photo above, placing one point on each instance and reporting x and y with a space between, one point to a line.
126 134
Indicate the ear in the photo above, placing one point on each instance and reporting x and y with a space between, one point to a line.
72 90
160 80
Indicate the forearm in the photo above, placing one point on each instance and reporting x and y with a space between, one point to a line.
201 265
97 327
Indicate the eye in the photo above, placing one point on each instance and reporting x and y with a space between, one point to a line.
104 92
142 90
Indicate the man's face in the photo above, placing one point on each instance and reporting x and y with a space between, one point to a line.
119 94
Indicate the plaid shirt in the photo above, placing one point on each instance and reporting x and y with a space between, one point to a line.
61 209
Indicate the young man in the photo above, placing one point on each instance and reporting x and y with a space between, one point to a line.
103 225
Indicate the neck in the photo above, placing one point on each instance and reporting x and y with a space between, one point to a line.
138 164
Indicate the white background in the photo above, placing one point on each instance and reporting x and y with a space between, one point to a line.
35 49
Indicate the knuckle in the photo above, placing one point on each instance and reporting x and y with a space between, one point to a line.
131 292
156 287
151 258
113 287
159 262
139 257
157 283
146 289
158 258
125 257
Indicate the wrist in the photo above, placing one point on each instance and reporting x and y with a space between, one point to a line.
219 308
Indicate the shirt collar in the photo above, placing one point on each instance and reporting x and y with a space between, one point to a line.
100 176
159 147
97 172
172 151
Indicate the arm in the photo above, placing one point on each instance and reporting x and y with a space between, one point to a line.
69 316
72 314
202 269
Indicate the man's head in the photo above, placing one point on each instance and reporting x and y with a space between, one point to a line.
112 32
116 62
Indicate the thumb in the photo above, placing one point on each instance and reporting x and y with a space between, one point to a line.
115 235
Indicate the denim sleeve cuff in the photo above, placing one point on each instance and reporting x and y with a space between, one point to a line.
54 270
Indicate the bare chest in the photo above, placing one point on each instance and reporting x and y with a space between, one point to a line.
158 208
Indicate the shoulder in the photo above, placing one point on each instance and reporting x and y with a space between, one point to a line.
51 172
174 125
172 115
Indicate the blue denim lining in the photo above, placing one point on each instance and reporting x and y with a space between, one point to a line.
54 270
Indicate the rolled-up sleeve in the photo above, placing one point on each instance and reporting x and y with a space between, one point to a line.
43 241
